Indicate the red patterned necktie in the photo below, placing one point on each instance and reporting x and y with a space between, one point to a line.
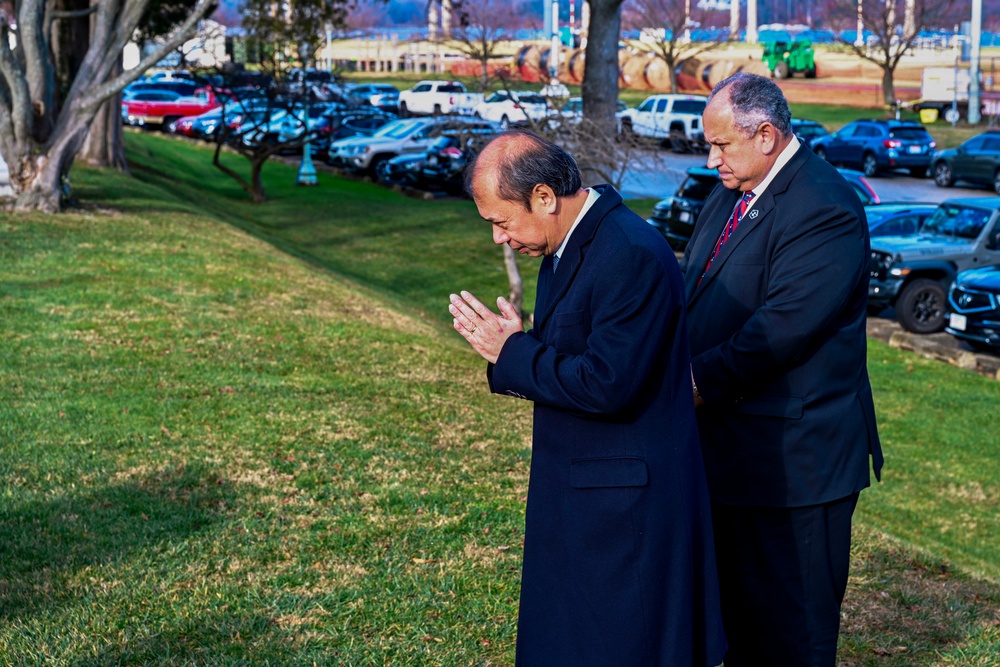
741 208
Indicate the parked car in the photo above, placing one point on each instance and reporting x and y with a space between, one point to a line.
879 145
675 216
571 113
381 95
808 131
913 273
445 165
897 219
183 88
512 108
974 305
410 135
975 161
672 117
436 98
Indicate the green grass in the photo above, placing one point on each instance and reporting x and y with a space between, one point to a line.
238 434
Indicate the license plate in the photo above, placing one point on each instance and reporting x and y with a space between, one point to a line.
684 216
958 322
915 149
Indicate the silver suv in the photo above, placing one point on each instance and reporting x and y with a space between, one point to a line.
913 273
410 135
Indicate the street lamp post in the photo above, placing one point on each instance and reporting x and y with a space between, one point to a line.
859 39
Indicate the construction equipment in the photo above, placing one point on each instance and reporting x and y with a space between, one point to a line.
785 59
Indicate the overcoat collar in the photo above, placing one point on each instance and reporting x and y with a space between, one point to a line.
552 286
719 217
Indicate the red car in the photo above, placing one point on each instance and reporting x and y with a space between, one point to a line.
148 112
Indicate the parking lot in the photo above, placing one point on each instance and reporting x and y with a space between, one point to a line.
660 173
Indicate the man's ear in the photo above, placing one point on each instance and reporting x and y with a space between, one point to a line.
768 138
543 199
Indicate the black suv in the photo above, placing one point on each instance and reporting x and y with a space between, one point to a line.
974 302
976 161
879 145
675 216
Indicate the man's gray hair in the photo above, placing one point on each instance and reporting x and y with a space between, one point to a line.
755 100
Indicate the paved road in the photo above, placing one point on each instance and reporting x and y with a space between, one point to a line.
659 174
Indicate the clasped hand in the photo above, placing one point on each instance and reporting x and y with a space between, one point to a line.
485 330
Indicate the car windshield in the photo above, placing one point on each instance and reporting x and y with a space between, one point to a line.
531 99
953 220
398 129
698 187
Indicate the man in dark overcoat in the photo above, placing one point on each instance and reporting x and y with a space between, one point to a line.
619 569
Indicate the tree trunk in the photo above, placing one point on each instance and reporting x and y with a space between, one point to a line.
600 78
514 280
888 86
104 145
38 178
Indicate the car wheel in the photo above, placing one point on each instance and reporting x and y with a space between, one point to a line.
626 129
376 165
504 122
437 109
678 142
996 182
821 153
381 172
781 71
868 165
942 175
403 111
921 305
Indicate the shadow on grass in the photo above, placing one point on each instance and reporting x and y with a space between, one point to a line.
905 609
44 542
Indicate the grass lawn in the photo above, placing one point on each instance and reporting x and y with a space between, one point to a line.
237 434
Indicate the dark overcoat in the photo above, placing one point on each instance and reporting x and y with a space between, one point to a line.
619 567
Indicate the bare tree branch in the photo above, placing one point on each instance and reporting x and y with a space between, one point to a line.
100 93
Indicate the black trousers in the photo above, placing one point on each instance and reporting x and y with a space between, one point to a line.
782 576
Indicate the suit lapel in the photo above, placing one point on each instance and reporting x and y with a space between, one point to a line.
714 218
557 283
761 213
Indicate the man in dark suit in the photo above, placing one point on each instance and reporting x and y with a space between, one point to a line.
618 561
776 275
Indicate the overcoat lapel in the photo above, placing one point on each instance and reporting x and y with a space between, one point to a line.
573 255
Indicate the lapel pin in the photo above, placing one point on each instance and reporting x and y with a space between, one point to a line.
754 213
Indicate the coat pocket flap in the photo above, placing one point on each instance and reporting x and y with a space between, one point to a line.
785 407
618 471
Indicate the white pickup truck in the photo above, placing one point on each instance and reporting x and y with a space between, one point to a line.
437 98
674 118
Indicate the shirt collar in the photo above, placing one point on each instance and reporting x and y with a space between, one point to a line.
779 164
592 197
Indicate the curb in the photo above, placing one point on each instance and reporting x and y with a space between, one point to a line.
939 346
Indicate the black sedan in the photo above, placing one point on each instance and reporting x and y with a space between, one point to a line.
974 305
975 161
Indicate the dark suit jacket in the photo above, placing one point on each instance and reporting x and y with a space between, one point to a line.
778 342
619 567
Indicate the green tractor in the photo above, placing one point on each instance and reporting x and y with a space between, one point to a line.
784 59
